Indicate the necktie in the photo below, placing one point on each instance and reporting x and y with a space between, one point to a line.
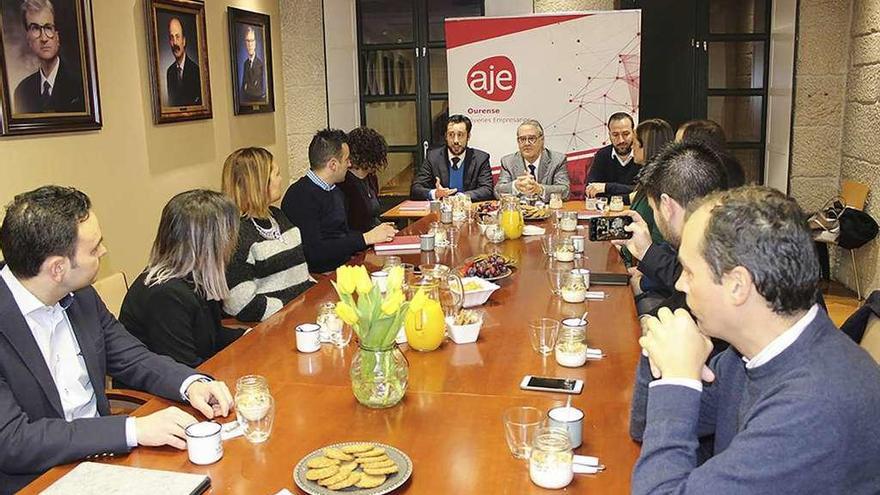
46 95
455 161
532 170
179 73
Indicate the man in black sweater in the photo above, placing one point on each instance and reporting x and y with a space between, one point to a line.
613 172
317 206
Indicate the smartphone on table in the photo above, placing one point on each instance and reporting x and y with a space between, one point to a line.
549 384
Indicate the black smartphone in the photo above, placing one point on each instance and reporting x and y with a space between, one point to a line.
609 228
548 384
609 278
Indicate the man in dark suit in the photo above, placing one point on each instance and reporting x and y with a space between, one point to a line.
454 168
614 169
54 87
183 79
253 72
58 341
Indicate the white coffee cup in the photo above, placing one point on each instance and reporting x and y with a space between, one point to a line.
308 337
570 418
203 442
380 279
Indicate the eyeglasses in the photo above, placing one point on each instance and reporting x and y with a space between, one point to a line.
34 30
528 139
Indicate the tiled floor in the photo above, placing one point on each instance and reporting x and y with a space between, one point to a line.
841 301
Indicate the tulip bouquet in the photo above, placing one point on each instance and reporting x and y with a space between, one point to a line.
375 319
379 371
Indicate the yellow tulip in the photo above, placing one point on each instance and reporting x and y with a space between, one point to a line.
395 277
364 285
345 279
346 313
392 302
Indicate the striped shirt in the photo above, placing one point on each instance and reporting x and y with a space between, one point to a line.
319 181
265 274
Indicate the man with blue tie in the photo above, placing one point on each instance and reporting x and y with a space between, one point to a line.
454 168
534 171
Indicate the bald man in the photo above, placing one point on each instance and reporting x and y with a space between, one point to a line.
183 79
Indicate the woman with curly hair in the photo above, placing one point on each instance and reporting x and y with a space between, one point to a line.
369 155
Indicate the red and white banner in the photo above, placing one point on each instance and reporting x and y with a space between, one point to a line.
568 71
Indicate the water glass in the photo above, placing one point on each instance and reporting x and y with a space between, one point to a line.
452 236
548 244
521 425
254 407
542 334
390 262
342 337
557 275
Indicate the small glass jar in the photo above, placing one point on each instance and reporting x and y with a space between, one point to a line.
550 461
439 231
331 324
571 346
564 250
616 203
254 407
569 221
446 212
573 289
495 233
555 201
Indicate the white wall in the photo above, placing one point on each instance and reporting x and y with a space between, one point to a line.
779 100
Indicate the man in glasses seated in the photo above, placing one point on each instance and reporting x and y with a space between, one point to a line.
55 87
533 171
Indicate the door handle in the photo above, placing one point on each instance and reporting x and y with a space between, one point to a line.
424 149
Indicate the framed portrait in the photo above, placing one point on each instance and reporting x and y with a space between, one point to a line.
178 46
47 66
250 55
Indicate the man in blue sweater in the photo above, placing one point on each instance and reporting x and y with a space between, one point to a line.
792 402
317 206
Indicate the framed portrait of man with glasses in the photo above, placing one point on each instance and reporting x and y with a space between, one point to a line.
250 44
48 68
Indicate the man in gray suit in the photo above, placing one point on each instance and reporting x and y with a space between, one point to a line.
533 171
58 341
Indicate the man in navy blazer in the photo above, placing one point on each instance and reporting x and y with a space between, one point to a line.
58 341
454 168
183 79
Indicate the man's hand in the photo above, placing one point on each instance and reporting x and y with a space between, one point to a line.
441 192
641 240
210 398
635 280
165 427
381 233
594 189
675 346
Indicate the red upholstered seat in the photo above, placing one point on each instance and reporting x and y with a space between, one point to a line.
577 175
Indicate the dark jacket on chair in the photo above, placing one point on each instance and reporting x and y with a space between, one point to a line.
855 325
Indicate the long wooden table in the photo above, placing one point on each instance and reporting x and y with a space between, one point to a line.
450 421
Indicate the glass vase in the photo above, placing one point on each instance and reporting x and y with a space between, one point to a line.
379 376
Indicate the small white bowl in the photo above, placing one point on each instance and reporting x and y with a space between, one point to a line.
463 334
473 298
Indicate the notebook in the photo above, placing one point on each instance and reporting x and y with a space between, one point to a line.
410 205
400 243
92 478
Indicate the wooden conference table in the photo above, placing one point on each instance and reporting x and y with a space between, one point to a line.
450 421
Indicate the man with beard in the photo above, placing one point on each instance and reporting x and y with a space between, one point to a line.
534 171
614 170
183 79
454 168
54 87
792 402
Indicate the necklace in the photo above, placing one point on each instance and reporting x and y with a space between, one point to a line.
272 233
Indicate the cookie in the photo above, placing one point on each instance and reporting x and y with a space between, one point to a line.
334 453
377 451
319 474
353 478
348 467
321 462
357 448
336 478
380 464
384 470
368 481
366 460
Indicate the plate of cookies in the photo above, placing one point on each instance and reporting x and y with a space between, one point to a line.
359 468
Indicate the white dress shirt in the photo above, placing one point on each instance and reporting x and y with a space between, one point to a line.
50 78
770 351
623 162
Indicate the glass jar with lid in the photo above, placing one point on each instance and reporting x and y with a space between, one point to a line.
330 323
254 407
569 221
573 289
564 250
550 461
571 346
616 203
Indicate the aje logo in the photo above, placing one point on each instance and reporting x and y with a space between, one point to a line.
493 78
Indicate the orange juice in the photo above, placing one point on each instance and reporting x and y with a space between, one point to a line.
511 223
425 328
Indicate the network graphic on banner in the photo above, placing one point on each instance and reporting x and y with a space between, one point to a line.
568 71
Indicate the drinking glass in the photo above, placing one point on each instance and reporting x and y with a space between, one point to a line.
391 261
542 334
557 275
601 203
548 244
521 425
254 407
452 235
342 337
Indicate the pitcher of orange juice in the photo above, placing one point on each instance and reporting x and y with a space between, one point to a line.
511 217
424 323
